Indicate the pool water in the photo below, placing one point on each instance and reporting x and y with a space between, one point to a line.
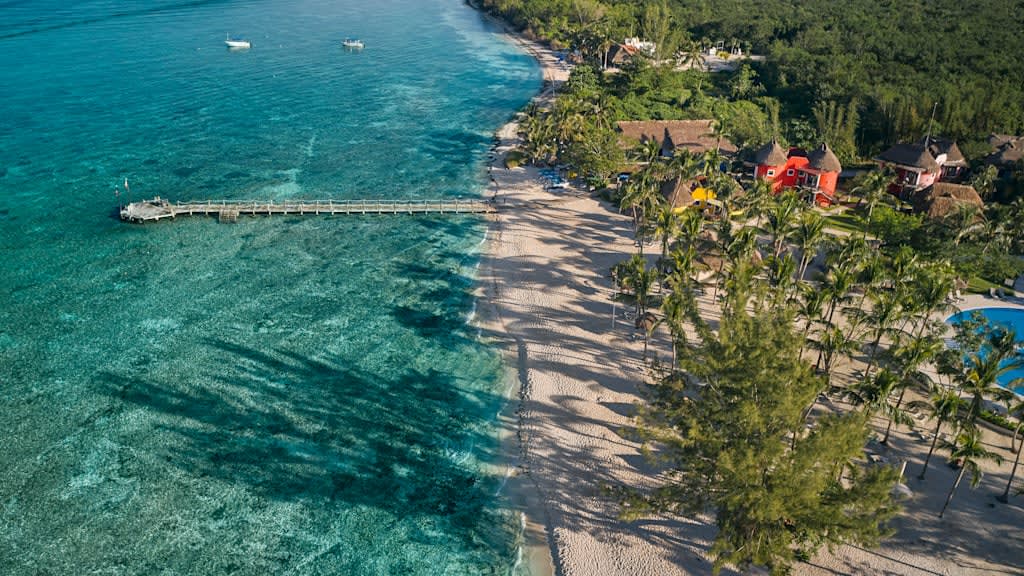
1012 318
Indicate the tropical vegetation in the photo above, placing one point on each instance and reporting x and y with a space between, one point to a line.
745 419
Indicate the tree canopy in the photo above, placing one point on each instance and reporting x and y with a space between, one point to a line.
733 438
860 72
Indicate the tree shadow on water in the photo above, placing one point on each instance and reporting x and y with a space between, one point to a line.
289 427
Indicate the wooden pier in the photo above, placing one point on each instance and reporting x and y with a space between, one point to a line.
229 210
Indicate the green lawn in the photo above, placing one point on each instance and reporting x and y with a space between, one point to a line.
846 221
982 286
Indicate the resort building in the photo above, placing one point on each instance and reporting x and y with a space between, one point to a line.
920 164
1008 152
697 136
815 174
684 194
619 54
944 198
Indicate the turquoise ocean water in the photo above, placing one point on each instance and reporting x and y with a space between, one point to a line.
273 396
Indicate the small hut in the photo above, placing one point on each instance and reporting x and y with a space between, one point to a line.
682 194
942 199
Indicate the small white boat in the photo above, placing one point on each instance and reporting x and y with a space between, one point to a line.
352 43
237 43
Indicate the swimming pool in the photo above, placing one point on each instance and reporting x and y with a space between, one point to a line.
1009 317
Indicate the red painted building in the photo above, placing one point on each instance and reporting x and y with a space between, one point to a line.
816 173
921 164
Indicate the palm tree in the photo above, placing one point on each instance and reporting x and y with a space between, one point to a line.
809 307
942 406
1005 496
874 190
909 358
968 449
691 225
684 165
885 311
643 197
688 55
850 253
666 227
757 199
781 278
1015 409
538 132
964 222
780 220
808 235
928 292
640 279
870 273
872 393
647 322
984 366
836 284
984 182
676 307
734 247
832 342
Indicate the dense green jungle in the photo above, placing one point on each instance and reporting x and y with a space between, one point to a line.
862 74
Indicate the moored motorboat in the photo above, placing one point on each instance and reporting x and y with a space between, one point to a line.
237 43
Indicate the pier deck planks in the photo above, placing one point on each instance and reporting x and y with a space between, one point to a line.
227 210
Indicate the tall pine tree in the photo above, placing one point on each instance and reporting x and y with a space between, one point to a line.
727 440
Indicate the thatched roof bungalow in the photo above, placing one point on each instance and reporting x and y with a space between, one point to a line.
1007 151
697 136
943 199
918 165
682 194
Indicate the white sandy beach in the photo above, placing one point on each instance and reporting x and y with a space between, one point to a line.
546 300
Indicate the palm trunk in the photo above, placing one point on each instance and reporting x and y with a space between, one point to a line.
892 417
805 262
718 278
828 322
803 339
935 440
874 353
1005 497
959 477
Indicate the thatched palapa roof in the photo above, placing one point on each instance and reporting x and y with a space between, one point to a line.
697 136
997 140
1009 151
914 156
943 199
677 192
771 154
824 159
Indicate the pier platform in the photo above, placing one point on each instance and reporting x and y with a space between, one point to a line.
229 210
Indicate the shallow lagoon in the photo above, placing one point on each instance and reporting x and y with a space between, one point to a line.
287 395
